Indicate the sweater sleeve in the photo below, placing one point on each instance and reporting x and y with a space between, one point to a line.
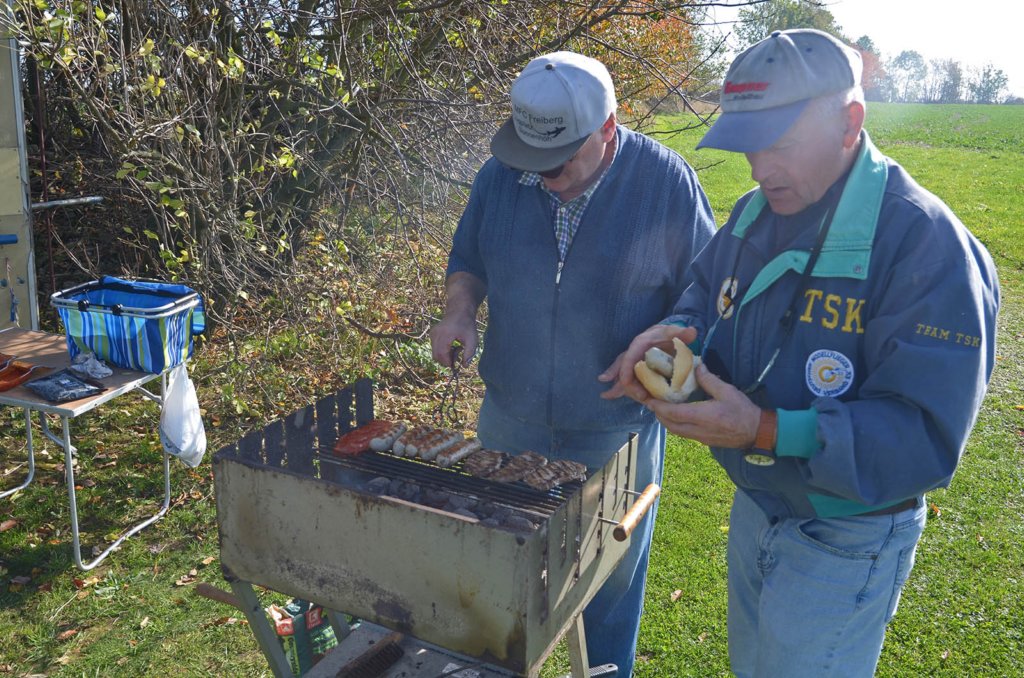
465 253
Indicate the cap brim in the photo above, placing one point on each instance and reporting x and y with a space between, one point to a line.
752 131
507 147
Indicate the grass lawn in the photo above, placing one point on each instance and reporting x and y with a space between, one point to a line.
137 614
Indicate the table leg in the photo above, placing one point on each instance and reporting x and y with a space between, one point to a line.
266 638
31 457
69 472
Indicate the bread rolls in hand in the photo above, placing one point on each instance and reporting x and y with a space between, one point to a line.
666 377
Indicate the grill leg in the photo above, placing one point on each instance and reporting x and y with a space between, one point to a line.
339 622
578 663
265 636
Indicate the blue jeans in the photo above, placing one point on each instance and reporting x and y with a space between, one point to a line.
612 618
812 596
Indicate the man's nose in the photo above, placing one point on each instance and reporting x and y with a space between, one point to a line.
760 166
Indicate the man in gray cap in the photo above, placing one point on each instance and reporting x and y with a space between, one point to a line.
579 232
846 320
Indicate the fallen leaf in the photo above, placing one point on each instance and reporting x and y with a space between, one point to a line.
8 524
702 637
21 579
64 635
208 559
144 623
945 655
936 511
676 594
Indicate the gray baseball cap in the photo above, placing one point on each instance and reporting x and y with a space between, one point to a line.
770 83
558 101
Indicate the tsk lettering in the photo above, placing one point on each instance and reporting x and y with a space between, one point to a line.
833 311
948 335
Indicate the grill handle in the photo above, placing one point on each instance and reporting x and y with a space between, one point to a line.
636 512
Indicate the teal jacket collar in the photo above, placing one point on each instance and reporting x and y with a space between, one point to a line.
847 249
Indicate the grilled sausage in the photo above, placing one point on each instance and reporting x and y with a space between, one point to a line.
456 452
387 437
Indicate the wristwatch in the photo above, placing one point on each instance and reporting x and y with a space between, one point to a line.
763 451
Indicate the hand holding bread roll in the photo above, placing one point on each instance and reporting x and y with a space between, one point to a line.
666 377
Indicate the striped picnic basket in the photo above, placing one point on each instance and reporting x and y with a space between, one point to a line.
140 325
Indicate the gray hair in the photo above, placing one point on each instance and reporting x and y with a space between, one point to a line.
830 106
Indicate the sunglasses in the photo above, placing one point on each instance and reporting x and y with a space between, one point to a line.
557 171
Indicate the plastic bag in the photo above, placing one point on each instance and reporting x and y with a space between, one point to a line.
61 387
181 427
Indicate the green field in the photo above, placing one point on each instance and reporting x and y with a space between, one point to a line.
137 614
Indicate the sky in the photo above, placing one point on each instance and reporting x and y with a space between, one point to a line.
973 33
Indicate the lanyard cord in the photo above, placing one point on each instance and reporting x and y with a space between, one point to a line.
788 320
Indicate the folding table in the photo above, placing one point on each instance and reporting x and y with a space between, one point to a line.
50 350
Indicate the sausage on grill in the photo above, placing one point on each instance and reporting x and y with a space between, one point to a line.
456 452
387 437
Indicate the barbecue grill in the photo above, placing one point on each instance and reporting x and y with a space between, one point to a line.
493 571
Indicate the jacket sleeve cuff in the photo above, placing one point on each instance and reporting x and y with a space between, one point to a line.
798 433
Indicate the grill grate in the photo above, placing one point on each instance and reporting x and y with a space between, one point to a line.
452 479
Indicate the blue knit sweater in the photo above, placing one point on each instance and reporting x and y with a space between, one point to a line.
549 335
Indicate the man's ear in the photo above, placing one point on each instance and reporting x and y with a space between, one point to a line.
608 129
854 123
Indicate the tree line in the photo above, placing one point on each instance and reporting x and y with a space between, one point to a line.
905 78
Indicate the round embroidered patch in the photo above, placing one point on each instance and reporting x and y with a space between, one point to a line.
828 373
727 297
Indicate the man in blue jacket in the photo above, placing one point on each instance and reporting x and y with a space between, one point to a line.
846 318
579 232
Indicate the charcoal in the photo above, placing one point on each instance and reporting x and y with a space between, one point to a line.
408 492
519 523
501 513
465 512
490 522
458 501
435 498
485 509
379 485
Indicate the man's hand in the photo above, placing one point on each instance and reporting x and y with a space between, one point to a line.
464 293
620 373
451 329
727 419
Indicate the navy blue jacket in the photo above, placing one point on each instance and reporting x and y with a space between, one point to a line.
546 340
882 378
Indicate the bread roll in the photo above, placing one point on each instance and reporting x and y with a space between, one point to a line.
668 378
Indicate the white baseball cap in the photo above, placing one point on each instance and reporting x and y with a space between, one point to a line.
558 101
770 83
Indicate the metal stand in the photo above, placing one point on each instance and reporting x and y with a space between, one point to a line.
31 457
51 351
426 654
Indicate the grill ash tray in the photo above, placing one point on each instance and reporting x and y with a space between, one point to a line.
418 658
